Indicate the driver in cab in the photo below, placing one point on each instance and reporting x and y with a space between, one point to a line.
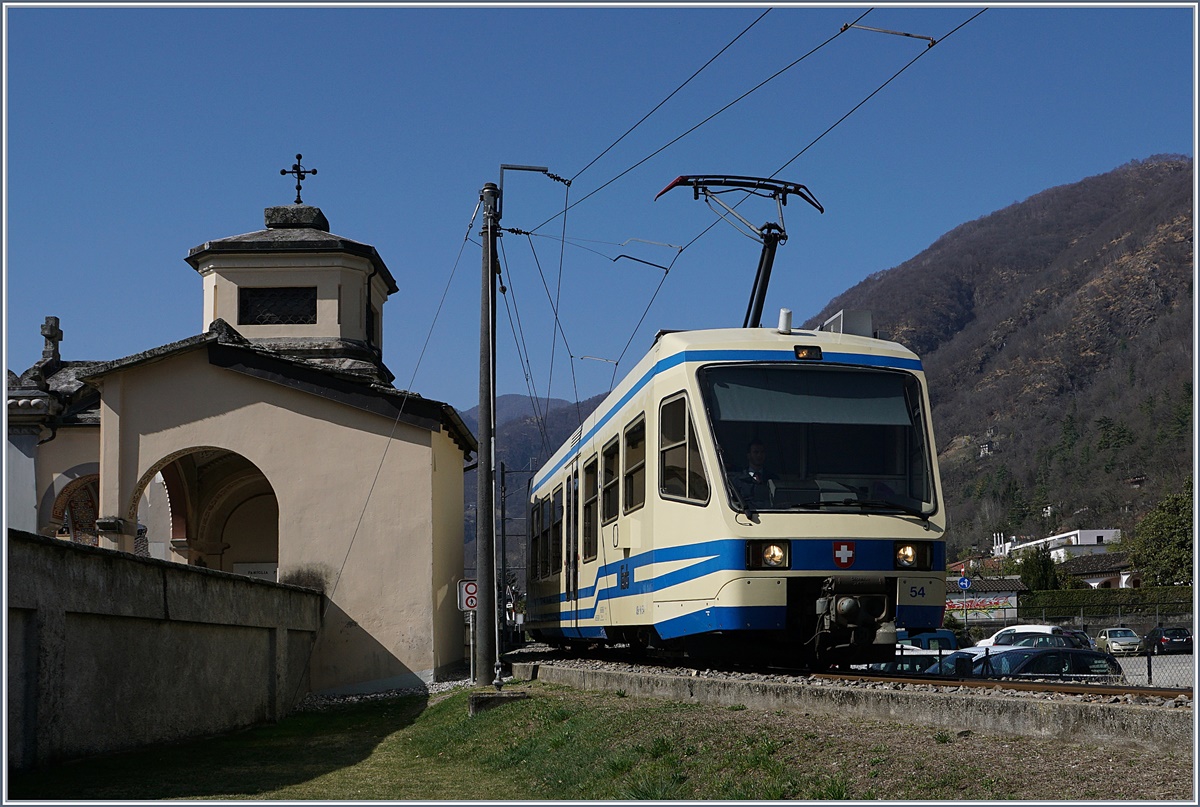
753 483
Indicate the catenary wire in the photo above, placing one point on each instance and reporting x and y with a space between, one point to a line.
514 320
567 206
705 231
613 381
669 97
554 309
658 288
561 257
873 93
664 147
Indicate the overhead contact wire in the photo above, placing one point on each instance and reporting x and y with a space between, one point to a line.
523 353
669 97
872 95
723 109
553 306
562 248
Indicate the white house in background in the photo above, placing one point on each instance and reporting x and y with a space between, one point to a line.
1063 546
1106 570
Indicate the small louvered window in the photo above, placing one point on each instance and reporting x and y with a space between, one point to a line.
277 306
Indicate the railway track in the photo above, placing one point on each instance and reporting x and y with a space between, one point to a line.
1152 717
649 661
1038 685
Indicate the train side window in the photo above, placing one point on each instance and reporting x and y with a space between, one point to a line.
544 549
591 509
635 465
556 534
681 469
611 490
572 531
535 539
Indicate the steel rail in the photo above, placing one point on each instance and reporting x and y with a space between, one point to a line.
682 663
1039 685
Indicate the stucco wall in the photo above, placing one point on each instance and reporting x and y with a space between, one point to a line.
448 550
356 503
340 280
69 456
107 651
20 479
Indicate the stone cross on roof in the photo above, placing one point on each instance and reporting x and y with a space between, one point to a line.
53 335
300 173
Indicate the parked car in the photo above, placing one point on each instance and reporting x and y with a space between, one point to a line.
1005 635
940 639
1117 641
1056 663
949 665
1084 639
1045 640
1166 640
909 659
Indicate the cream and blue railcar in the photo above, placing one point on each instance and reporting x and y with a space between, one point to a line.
645 527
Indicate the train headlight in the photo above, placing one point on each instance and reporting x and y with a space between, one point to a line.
913 555
768 555
774 556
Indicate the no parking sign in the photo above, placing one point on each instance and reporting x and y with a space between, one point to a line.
468 595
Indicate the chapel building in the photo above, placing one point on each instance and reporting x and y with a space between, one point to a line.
273 444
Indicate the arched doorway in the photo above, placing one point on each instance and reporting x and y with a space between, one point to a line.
74 511
223 511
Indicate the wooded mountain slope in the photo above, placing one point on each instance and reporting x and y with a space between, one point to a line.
1057 337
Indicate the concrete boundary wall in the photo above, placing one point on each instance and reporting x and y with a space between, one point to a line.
109 652
1153 727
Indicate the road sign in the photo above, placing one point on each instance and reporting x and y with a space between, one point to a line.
964 582
468 595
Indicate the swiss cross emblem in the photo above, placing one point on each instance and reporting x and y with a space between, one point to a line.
843 554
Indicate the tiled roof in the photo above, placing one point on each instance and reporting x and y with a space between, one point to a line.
229 349
988 585
1099 563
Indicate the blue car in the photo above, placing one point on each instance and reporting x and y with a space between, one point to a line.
940 639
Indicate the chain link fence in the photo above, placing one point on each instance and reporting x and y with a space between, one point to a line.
1141 668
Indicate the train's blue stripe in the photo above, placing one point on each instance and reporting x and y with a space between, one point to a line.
872 556
727 355
750 617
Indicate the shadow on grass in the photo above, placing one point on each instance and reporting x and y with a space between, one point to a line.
253 762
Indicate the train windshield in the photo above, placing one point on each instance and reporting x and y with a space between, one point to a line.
820 438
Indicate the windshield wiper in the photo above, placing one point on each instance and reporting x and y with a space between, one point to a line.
874 504
886 505
747 508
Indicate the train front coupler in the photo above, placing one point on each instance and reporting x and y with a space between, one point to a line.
856 621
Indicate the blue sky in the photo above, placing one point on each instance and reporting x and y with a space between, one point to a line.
134 134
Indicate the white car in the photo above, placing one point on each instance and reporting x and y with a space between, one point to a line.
1005 636
1117 640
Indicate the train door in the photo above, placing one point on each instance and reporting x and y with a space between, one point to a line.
610 528
589 533
571 542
